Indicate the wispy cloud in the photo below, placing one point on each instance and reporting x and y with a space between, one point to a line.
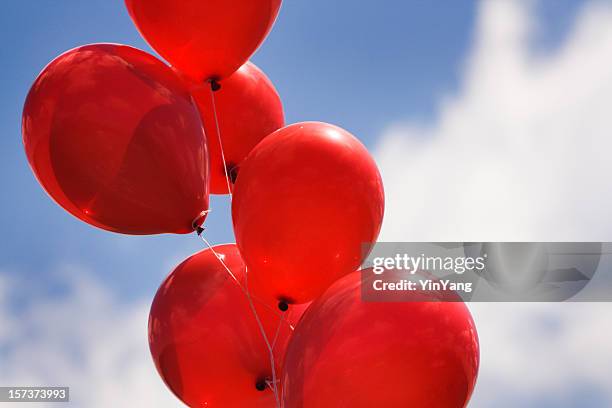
85 339
521 152
544 355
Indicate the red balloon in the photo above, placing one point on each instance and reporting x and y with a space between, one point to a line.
308 204
248 109
205 39
350 353
204 339
113 136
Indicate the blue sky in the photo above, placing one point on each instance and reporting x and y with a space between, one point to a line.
359 66
366 66
356 66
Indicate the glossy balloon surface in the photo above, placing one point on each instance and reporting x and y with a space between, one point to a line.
204 338
114 137
248 109
205 39
348 353
308 204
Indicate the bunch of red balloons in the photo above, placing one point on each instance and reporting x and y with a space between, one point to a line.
129 144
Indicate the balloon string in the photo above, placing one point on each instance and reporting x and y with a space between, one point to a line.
280 323
220 258
274 383
229 271
263 333
245 290
213 84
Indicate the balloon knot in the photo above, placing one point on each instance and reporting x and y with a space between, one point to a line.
283 306
215 85
260 384
199 230
232 172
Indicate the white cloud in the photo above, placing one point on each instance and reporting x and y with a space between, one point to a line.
521 152
85 339
536 355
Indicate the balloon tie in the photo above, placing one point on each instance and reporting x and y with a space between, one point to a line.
283 305
196 224
215 86
245 290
